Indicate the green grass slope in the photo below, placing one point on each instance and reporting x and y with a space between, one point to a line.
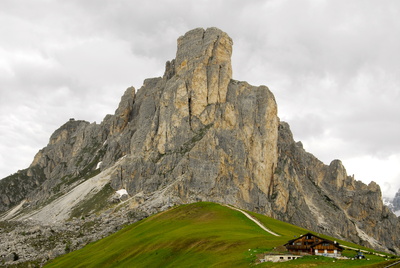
195 235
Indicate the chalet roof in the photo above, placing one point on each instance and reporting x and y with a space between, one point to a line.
297 238
322 240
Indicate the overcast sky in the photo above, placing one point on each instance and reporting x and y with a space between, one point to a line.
334 67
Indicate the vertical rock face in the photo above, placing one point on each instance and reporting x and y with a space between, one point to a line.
196 134
203 60
199 81
207 137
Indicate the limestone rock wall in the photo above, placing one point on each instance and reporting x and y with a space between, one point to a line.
202 134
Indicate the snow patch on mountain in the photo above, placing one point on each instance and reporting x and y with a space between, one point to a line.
122 192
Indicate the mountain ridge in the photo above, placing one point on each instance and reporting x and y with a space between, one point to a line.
196 134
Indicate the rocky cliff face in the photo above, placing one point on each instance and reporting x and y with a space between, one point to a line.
197 134
70 157
324 198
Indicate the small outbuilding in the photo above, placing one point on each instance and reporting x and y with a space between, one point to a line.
279 257
314 245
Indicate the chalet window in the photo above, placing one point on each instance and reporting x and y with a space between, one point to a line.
309 236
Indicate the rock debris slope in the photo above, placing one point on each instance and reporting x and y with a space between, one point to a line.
196 134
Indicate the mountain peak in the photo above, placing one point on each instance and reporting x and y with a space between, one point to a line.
201 48
203 60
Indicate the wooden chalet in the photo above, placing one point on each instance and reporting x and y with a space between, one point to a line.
314 245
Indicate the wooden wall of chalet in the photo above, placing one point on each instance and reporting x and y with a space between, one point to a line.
330 247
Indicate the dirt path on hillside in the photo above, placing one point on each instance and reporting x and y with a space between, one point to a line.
253 219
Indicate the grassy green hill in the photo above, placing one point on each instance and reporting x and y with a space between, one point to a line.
196 235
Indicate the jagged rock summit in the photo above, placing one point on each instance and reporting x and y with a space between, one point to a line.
196 134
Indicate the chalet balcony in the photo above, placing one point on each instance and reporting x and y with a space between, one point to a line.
298 247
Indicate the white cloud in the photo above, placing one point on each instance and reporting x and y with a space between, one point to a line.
368 168
332 65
